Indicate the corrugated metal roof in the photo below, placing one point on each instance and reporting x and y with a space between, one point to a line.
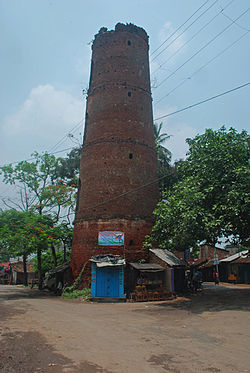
168 257
233 257
107 260
147 266
245 259
60 268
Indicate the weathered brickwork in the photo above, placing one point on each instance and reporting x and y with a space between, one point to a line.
118 157
207 252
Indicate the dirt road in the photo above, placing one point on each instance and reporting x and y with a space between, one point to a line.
209 332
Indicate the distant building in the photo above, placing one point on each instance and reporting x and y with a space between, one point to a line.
207 252
236 268
17 273
232 249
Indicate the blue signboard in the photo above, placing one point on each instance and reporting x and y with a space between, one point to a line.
111 238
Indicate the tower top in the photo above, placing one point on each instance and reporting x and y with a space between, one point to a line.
121 27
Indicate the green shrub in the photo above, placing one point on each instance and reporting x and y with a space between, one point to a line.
71 293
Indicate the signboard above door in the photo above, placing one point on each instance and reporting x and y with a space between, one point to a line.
110 238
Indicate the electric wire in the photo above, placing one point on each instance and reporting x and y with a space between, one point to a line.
203 66
201 49
233 21
155 119
177 37
159 178
237 24
73 129
203 101
33 158
179 27
123 194
118 196
188 41
172 113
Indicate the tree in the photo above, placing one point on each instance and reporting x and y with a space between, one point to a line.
48 260
166 172
14 235
68 168
163 154
24 232
211 199
45 234
41 190
39 186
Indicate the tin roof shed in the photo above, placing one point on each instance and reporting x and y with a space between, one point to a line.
147 267
168 257
233 257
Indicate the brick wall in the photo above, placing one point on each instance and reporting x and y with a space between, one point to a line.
118 151
207 252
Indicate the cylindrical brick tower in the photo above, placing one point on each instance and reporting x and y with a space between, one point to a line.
118 187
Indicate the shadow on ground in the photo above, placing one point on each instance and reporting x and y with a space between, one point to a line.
28 352
212 299
11 292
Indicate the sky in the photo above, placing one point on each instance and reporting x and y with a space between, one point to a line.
198 49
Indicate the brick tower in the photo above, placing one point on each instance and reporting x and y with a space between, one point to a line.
117 188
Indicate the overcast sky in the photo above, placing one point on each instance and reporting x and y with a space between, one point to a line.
45 57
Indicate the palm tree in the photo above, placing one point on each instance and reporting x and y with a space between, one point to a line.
163 154
166 172
160 138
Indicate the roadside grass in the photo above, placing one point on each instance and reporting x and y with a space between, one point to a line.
71 293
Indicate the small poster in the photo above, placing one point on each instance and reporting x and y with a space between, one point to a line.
110 238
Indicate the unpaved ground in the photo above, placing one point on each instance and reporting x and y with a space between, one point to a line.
209 332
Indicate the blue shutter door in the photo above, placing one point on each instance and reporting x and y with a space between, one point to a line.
107 282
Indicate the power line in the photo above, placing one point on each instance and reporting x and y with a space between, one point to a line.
203 66
65 136
203 101
32 158
164 116
202 48
201 29
125 193
119 195
179 27
237 24
158 179
50 152
185 30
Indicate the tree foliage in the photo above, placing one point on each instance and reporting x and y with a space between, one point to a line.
211 199
48 260
13 233
40 213
24 232
166 172
68 168
39 186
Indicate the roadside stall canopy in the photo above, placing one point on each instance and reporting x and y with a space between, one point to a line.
107 260
147 267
